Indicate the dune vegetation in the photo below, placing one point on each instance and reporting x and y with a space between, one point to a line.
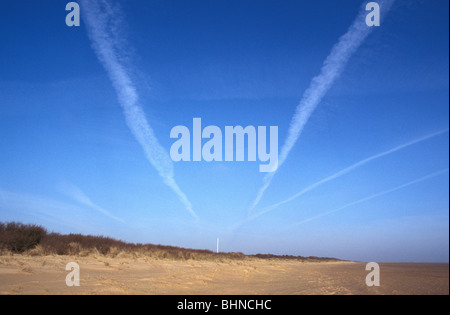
34 240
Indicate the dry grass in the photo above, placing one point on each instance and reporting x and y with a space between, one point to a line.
34 240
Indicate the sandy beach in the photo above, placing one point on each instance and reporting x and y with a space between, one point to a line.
21 274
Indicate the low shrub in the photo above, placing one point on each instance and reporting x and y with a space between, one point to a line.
18 237
35 241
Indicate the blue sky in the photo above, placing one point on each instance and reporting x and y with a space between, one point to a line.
373 156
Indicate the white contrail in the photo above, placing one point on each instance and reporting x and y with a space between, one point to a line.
319 86
103 25
79 196
373 196
348 170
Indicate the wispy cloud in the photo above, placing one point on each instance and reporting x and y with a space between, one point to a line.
16 206
103 23
80 197
319 86
382 193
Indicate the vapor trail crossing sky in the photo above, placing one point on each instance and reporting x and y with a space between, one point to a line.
103 24
347 170
385 192
331 69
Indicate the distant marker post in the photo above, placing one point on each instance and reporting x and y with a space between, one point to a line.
217 250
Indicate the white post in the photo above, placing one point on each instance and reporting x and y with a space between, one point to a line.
217 245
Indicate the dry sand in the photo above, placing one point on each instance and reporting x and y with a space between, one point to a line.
102 275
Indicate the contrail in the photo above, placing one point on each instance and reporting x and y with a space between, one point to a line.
332 67
348 170
79 196
103 24
373 196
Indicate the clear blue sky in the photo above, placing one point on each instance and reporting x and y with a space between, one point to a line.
69 161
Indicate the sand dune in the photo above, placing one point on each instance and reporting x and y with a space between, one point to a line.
21 274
